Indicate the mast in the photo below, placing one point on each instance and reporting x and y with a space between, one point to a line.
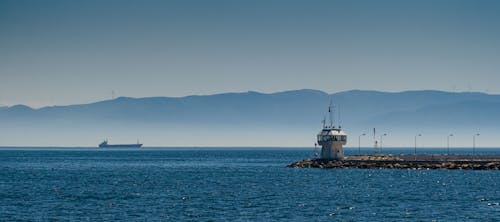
339 116
330 113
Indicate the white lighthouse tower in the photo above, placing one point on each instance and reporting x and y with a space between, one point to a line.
332 139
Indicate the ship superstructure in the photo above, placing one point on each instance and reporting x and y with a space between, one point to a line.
105 144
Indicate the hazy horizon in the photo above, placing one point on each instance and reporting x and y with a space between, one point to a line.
286 119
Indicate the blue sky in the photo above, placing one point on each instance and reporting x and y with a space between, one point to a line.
66 52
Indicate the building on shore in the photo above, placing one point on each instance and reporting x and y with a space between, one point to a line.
332 139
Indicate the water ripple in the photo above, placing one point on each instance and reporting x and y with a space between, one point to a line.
231 185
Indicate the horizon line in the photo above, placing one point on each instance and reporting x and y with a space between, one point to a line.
244 147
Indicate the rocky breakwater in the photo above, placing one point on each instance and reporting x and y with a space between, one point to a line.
380 161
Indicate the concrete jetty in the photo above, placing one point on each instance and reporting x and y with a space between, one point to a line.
406 161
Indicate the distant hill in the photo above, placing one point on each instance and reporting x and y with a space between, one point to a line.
420 108
291 108
290 118
222 109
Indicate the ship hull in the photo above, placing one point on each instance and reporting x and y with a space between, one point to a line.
121 146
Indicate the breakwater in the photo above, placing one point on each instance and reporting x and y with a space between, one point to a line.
421 161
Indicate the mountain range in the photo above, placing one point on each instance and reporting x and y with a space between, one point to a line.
295 111
291 107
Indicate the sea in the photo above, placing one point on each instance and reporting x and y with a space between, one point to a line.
232 184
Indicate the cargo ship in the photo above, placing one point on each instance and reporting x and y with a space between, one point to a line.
105 144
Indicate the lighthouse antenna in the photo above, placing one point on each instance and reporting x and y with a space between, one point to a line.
330 112
339 116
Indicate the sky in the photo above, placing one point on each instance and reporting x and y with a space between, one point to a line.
70 52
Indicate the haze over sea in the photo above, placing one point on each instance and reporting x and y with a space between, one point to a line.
232 184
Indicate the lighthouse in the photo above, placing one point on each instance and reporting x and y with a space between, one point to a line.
332 139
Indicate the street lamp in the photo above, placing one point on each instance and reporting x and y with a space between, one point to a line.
448 143
315 153
380 149
416 142
359 142
474 143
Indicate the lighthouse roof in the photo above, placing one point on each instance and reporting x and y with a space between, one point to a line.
332 132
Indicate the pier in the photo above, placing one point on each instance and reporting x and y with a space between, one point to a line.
405 161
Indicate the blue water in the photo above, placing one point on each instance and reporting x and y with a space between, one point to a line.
231 185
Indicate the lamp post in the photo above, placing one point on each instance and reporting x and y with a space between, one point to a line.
474 143
359 142
380 149
448 143
315 153
415 151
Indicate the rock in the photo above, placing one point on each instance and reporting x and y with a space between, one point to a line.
405 162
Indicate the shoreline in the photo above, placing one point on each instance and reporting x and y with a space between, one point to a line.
405 161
